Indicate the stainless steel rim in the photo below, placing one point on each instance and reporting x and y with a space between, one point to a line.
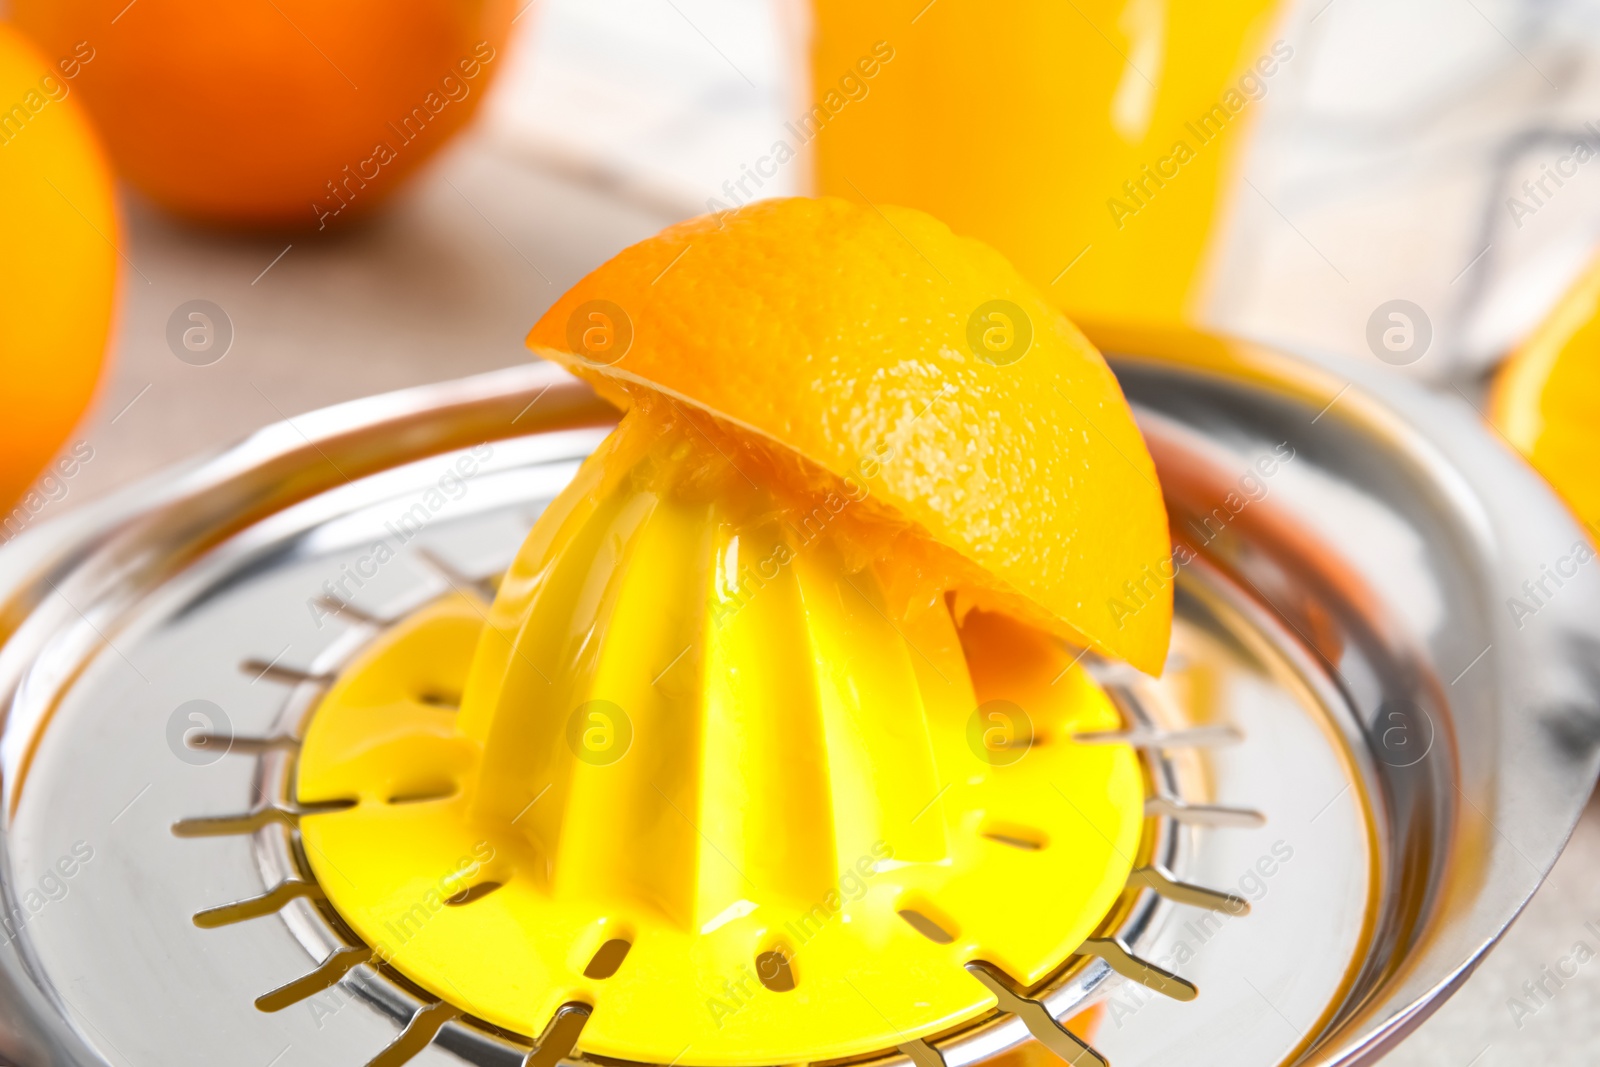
1467 833
1514 756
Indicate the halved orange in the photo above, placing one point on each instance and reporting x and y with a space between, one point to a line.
878 346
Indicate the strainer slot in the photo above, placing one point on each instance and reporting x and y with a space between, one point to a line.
607 958
423 793
775 969
472 893
436 698
927 921
1027 838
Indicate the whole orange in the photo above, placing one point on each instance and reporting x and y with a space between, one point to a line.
58 272
270 113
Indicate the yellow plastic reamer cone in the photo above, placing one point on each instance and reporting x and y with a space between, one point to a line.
733 765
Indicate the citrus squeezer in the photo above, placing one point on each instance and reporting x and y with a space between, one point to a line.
482 723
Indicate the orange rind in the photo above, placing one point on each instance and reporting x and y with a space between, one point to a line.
884 350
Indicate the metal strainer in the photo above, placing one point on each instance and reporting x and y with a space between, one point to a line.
1354 736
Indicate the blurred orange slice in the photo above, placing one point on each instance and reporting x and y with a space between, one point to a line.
1546 399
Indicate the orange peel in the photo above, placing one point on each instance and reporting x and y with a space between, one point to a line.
876 345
